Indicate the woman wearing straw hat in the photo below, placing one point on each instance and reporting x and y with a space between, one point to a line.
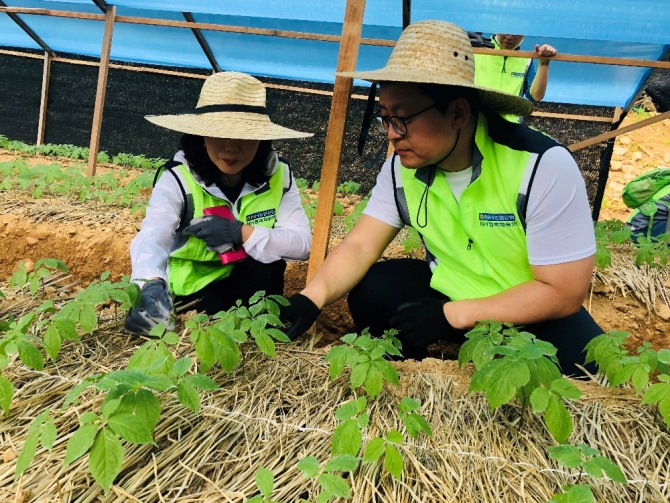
462 177
227 163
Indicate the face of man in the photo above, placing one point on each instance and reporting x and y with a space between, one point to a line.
509 41
429 134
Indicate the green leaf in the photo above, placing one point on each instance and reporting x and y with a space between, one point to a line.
568 455
88 318
106 458
147 407
202 382
558 420
265 344
358 374
188 396
181 366
265 480
335 485
600 465
343 463
373 382
580 493
52 341
336 356
347 410
393 461
565 389
309 466
664 356
395 437
409 405
206 353
27 452
30 355
49 435
656 393
374 450
80 442
229 354
539 399
6 393
131 428
640 378
347 438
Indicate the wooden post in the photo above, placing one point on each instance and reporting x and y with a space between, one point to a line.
102 88
351 36
611 134
46 72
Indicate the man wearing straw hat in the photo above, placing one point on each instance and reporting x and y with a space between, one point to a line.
502 210
227 196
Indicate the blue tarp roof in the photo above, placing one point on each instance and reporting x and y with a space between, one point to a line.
614 28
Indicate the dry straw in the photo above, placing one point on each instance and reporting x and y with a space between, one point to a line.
272 413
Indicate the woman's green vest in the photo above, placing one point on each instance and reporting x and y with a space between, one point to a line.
479 244
192 266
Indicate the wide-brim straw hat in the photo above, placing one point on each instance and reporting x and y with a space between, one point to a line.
231 105
437 52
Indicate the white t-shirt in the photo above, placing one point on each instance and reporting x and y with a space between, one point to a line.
559 228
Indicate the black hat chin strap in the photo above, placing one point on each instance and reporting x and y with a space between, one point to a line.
423 202
458 135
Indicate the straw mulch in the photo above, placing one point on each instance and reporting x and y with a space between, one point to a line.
649 285
273 412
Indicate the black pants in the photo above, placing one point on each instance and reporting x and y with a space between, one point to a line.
389 284
247 278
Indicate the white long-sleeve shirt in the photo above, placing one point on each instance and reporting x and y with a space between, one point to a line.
289 239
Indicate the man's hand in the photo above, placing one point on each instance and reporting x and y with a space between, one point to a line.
545 51
155 307
422 323
301 313
219 234
476 40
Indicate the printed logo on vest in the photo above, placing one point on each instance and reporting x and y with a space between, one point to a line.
497 220
518 74
261 216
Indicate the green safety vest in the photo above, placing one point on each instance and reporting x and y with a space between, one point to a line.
191 265
506 74
479 244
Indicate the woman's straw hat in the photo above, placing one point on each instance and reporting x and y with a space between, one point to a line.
231 105
437 52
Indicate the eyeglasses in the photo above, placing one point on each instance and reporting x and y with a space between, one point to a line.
399 124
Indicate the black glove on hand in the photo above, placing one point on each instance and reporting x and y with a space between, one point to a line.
219 234
421 323
301 313
476 40
155 307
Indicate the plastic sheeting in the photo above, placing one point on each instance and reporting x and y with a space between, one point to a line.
614 28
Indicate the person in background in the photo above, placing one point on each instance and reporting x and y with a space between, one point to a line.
518 76
226 160
501 208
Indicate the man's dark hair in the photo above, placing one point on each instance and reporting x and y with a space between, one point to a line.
199 161
443 95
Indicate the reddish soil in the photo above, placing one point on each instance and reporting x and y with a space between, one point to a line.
91 240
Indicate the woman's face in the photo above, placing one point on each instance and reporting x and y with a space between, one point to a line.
429 134
229 155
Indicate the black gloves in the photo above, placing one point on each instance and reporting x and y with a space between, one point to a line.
476 40
155 307
301 313
421 323
219 234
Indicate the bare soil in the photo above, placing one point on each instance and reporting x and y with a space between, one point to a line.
92 239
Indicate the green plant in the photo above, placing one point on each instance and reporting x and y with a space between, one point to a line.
620 367
34 279
265 482
351 219
364 355
589 461
413 241
329 475
510 363
348 187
